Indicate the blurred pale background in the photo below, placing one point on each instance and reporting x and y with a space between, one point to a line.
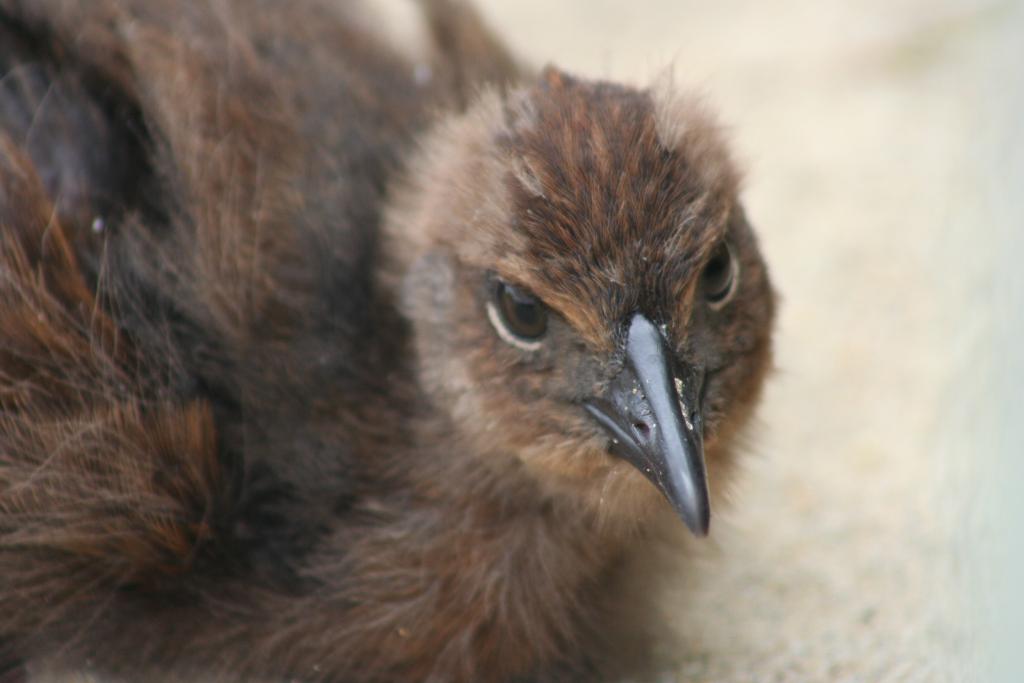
882 143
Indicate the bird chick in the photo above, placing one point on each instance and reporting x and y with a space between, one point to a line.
363 376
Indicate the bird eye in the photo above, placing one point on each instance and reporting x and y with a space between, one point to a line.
518 316
718 281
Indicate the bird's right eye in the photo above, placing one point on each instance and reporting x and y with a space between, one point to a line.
518 316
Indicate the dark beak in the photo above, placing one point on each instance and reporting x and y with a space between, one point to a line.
652 413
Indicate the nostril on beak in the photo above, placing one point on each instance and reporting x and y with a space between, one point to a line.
643 430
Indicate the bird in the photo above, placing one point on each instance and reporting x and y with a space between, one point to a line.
321 362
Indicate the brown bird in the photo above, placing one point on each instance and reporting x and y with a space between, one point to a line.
319 363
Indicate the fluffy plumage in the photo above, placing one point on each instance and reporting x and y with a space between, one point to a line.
254 420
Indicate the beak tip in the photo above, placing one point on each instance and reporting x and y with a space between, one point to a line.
700 527
696 514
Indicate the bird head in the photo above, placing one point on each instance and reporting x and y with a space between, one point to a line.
586 295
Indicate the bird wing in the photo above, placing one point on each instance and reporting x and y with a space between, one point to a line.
112 477
103 482
189 201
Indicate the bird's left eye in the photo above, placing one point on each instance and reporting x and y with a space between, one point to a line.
518 316
718 281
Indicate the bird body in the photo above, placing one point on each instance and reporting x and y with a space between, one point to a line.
316 368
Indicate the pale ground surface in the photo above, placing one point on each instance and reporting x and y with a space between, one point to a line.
867 129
